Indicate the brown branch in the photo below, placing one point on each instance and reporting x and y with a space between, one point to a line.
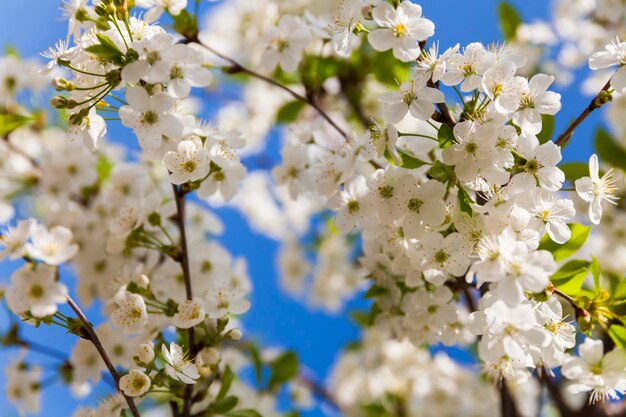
183 259
319 391
507 403
95 340
444 111
598 101
236 68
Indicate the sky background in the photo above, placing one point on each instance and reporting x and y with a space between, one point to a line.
275 319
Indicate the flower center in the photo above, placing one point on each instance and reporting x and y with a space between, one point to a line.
441 256
399 30
386 191
414 205
189 166
353 206
150 117
36 291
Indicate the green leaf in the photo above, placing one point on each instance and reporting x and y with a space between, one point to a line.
10 122
445 136
185 24
620 291
608 150
618 334
441 172
406 161
595 272
509 20
227 380
284 368
465 201
410 162
574 170
375 291
289 112
564 251
224 405
103 167
106 49
257 363
388 70
243 413
365 319
547 128
571 276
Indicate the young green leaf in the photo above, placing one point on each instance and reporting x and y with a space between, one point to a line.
608 149
227 380
243 413
547 128
574 170
289 112
571 276
509 20
595 272
283 369
11 122
224 405
445 136
618 334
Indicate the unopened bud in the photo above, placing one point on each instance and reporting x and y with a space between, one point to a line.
76 119
366 11
143 281
584 321
210 356
234 334
146 352
81 15
59 102
61 84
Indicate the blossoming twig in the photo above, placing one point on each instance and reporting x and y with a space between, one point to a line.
600 99
184 263
98 345
236 67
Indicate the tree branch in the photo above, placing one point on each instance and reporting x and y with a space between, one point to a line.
507 404
443 108
598 101
236 67
95 340
179 197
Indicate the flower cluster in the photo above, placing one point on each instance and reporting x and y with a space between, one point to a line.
456 217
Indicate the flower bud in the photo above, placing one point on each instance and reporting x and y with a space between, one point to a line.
143 281
61 84
210 356
76 119
59 102
146 352
234 334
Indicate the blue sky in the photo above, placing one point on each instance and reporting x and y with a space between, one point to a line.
275 319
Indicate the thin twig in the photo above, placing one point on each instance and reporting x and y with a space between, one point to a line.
95 340
236 67
596 102
507 403
179 196
319 390
443 107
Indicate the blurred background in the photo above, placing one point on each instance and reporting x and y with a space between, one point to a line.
276 318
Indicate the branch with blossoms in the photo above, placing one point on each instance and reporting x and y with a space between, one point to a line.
426 179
